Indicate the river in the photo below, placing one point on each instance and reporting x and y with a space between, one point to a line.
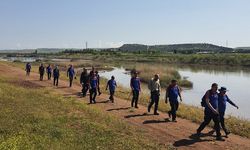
236 80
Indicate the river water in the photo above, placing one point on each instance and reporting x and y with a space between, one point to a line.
236 80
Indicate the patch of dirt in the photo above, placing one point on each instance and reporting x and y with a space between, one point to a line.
26 84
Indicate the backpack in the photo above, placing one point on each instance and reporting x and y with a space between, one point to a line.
203 99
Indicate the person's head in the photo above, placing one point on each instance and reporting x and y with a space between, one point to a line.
49 65
214 87
174 82
135 74
96 72
223 90
112 78
70 65
84 70
156 77
41 64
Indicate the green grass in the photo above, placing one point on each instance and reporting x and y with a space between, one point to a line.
38 119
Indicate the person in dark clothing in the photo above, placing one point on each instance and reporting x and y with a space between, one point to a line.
112 86
223 99
98 80
211 111
155 90
41 72
172 93
56 74
93 88
135 85
49 71
71 75
84 81
28 69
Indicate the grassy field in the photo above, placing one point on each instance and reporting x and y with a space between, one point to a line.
32 117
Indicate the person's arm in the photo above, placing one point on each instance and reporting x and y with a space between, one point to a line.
166 98
131 84
209 105
139 85
107 85
179 93
232 103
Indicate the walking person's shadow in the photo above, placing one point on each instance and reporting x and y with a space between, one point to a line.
192 140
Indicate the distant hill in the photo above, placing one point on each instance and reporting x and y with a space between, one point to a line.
184 48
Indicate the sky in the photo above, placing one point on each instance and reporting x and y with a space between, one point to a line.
27 24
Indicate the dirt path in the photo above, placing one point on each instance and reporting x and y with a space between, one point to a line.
156 127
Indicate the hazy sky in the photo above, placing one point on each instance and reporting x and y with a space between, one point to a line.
110 23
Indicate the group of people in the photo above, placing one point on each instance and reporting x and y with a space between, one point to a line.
214 102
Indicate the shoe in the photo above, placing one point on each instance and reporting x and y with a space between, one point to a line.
148 109
174 120
169 114
136 107
156 113
219 138
227 133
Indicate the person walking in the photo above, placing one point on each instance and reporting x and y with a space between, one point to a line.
49 71
93 88
135 85
84 81
98 80
41 72
155 90
28 69
172 93
223 99
211 111
56 74
112 86
71 75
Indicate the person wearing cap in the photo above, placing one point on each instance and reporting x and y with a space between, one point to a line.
41 72
70 74
56 74
112 86
172 93
93 88
98 80
155 89
135 85
223 99
84 81
49 71
211 111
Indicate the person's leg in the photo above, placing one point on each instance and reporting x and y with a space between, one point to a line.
136 99
152 101
133 98
54 81
207 119
112 96
57 79
156 103
222 122
175 108
99 90
90 95
217 125
95 93
70 81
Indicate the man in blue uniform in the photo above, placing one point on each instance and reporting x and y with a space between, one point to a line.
56 74
49 71
135 85
211 111
172 93
71 74
41 71
28 69
93 88
223 99
112 86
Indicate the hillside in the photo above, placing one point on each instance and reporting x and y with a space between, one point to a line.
183 48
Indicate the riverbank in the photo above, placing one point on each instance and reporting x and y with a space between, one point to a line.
169 135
